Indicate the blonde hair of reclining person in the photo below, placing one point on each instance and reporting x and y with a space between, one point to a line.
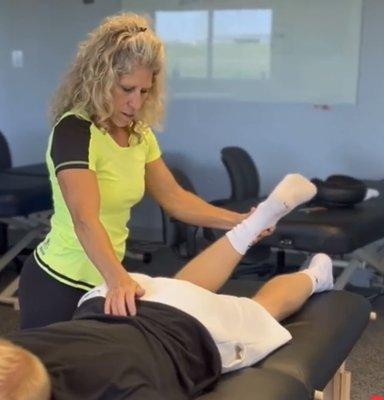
102 156
22 374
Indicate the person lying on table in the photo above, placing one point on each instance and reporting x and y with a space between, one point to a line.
183 336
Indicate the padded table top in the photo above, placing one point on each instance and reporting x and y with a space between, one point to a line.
24 190
28 170
251 384
333 231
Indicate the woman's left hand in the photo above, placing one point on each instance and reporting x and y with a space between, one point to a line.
266 232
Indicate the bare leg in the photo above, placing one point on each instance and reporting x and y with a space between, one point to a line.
212 267
281 296
285 294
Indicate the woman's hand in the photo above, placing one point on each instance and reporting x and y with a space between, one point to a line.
121 296
265 233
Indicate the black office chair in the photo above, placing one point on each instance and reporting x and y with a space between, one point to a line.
5 163
5 153
243 176
242 171
177 235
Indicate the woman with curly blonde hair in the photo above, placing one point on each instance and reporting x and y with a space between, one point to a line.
102 155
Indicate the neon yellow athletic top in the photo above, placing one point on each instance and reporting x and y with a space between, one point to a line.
75 142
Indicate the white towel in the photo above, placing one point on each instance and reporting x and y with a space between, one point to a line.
244 332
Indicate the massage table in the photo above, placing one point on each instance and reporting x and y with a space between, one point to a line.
25 203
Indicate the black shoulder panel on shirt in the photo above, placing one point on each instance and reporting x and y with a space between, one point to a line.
70 143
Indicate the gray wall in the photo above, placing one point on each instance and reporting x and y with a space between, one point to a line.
284 138
47 31
281 138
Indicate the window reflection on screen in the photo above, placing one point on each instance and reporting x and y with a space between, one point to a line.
270 51
242 44
185 34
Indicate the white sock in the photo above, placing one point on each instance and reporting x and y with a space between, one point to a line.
320 271
293 190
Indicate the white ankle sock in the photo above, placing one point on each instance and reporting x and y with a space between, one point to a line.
320 271
293 190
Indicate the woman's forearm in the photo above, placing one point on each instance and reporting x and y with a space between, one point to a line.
191 209
183 205
98 247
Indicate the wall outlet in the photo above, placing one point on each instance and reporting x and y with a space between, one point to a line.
17 58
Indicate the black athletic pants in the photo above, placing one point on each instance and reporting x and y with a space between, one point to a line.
43 299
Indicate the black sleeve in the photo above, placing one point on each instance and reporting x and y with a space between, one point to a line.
70 144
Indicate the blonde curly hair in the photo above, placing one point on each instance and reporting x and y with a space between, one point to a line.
121 43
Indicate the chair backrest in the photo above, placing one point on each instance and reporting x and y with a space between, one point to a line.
5 153
242 171
183 180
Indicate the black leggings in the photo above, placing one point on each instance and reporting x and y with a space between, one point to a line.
43 299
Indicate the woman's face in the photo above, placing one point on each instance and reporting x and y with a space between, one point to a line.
129 95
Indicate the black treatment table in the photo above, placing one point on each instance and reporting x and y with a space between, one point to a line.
37 170
24 190
25 202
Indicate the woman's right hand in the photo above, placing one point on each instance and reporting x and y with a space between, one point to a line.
121 296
